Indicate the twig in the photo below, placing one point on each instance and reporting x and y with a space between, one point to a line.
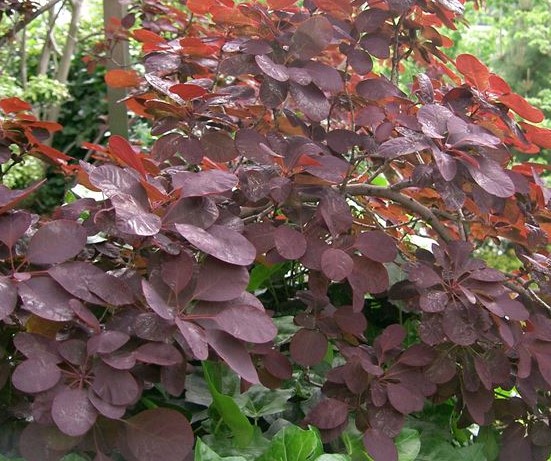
26 20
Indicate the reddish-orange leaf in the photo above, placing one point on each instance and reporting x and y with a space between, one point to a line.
121 149
537 135
280 4
475 72
522 107
196 47
334 6
154 194
51 127
92 146
146 36
188 90
53 154
122 78
231 16
498 85
10 105
200 7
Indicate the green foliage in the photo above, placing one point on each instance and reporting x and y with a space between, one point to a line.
23 173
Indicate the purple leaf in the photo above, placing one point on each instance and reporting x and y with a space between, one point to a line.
198 211
56 242
106 342
379 446
248 143
377 44
335 211
35 375
156 302
177 271
397 147
336 264
117 387
72 412
391 338
386 419
308 347
289 242
104 408
132 218
195 338
360 61
433 301
45 298
325 77
404 399
328 414
201 183
34 345
218 281
234 353
458 327
299 75
219 146
276 71
491 177
158 354
246 323
368 276
113 180
434 120
8 297
371 20
376 89
39 442
350 322
311 37
446 164
273 93
377 245
222 243
173 378
159 434
13 226
311 100
423 276
417 355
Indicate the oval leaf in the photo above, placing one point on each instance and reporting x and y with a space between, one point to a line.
73 413
56 242
336 264
289 242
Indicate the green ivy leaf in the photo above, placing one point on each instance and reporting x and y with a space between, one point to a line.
333 457
204 453
294 444
408 444
259 401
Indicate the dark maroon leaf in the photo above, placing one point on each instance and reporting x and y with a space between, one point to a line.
117 387
377 44
446 164
234 353
261 235
391 338
45 298
273 93
256 46
368 276
479 403
278 365
34 345
426 90
370 20
156 302
247 323
72 412
375 89
120 360
397 147
56 242
311 37
222 243
173 378
457 326
308 347
423 276
177 271
328 413
218 281
106 342
36 375
491 177
198 211
330 168
9 198
219 146
203 183
290 243
350 322
299 75
113 180
8 297
13 226
335 211
158 354
404 399
325 77
379 446
194 337
377 245
418 355
360 61
311 101
73 351
276 71
40 442
433 301
159 433
336 264
387 420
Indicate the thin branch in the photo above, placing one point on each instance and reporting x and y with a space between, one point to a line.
26 20
404 200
